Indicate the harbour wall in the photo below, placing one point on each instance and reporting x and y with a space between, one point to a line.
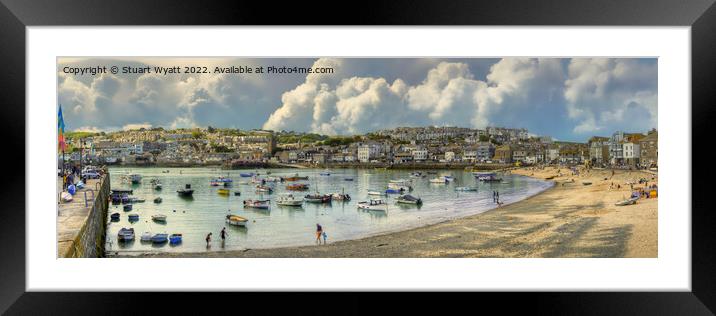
89 240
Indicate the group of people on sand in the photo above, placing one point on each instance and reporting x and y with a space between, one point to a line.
223 235
320 234
496 198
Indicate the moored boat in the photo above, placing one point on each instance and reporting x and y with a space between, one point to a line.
246 174
317 198
223 191
264 188
628 201
297 187
288 199
160 238
133 217
376 192
127 207
408 199
466 189
373 205
258 204
159 218
146 236
186 191
236 220
158 200
340 196
175 239
440 180
125 234
114 216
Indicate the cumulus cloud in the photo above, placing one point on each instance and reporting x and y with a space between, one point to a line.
129 127
606 94
449 95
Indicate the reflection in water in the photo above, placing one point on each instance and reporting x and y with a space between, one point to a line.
206 210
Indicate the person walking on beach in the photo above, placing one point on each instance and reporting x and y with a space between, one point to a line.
319 233
324 237
223 235
497 196
208 239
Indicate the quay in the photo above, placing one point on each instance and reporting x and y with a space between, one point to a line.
81 223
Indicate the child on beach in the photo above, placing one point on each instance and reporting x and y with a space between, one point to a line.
208 239
324 237
319 233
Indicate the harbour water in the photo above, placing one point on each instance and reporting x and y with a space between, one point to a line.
282 226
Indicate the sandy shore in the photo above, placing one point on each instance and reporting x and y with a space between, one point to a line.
569 220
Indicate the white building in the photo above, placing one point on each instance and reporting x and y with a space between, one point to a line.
449 156
420 155
631 152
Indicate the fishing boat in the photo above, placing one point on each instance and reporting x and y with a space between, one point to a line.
133 217
295 177
159 238
288 199
223 191
317 198
127 207
628 201
258 204
175 239
114 216
373 205
158 200
408 199
376 192
159 218
440 180
125 234
466 189
146 237
264 189
297 187
236 220
186 191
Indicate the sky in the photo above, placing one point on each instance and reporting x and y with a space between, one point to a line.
570 99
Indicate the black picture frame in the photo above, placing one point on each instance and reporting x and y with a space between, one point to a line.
16 15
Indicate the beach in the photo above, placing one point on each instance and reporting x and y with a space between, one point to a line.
569 220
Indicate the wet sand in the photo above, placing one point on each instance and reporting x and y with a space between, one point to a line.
569 220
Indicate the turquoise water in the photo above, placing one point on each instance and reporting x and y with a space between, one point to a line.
293 226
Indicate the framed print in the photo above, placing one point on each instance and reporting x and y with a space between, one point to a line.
464 154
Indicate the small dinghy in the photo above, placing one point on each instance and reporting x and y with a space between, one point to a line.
586 183
159 218
317 198
186 191
376 192
175 239
125 234
114 216
159 238
146 237
628 201
237 193
133 217
236 220
258 204
393 191
158 200
127 207
66 197
465 189
223 192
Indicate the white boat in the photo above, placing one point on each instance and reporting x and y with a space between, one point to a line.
236 220
466 189
629 201
288 199
159 218
400 186
146 237
373 205
379 193
258 204
440 180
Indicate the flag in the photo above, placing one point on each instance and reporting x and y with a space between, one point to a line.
61 131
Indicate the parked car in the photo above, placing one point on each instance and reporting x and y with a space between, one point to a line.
90 174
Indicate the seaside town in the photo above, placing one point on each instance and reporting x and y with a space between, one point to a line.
403 146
